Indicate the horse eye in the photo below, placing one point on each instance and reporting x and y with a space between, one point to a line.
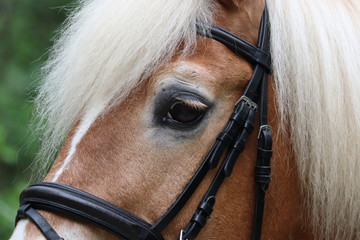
183 112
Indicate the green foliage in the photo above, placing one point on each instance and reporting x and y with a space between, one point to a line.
26 30
8 205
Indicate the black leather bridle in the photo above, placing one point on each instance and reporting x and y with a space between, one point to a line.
230 142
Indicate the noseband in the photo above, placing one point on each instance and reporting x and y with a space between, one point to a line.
230 142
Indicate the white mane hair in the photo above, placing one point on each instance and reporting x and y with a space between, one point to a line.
104 50
315 49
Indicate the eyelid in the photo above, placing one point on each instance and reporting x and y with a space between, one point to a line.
195 104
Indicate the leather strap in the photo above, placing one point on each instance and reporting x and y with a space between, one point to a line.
26 211
256 86
75 203
202 214
240 47
229 133
262 168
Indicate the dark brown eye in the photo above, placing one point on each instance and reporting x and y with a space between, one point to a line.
186 111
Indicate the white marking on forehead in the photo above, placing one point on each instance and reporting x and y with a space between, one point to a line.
19 231
80 132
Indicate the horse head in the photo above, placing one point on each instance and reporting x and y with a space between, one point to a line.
150 105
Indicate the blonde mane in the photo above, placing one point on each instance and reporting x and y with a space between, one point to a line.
104 50
315 49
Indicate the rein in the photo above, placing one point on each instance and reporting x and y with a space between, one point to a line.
230 142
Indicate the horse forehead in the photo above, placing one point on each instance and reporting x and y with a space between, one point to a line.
241 17
213 67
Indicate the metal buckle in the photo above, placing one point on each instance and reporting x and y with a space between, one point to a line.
264 127
181 235
248 101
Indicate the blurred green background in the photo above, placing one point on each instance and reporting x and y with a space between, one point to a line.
26 30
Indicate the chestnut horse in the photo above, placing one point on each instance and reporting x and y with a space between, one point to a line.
134 99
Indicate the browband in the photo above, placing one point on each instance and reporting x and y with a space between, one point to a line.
239 46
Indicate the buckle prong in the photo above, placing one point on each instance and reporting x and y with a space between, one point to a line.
264 127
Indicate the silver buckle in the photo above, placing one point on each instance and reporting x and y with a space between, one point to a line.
248 101
181 235
264 127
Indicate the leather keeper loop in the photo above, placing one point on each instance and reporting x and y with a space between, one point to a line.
262 170
240 117
262 179
225 137
201 220
207 206
249 126
264 153
240 143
